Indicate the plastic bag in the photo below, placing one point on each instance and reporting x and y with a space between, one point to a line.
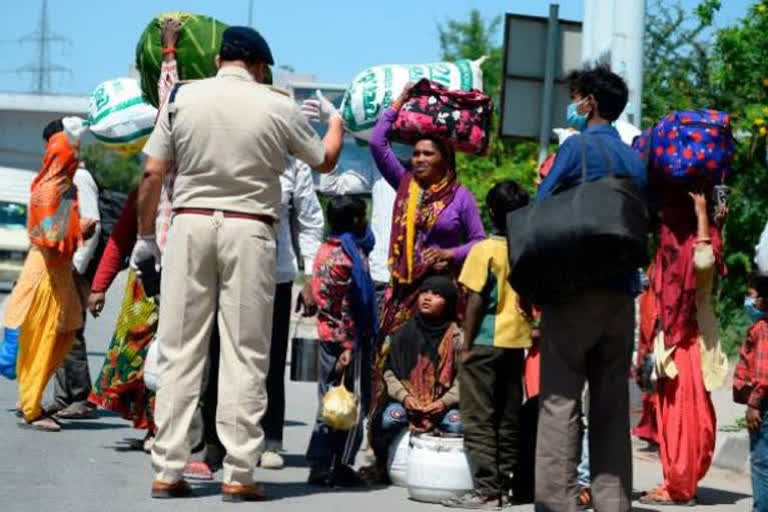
340 408
372 91
151 367
119 117
9 351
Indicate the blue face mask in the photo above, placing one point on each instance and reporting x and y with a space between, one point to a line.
751 309
574 118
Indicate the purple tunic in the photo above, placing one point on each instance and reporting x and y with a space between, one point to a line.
459 226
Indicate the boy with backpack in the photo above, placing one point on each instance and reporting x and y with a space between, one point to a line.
497 330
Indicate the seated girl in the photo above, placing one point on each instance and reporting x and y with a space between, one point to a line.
420 370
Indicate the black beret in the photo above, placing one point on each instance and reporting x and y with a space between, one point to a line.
245 43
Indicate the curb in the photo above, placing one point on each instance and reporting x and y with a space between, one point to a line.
732 451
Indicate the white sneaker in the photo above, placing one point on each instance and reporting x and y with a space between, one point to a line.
272 460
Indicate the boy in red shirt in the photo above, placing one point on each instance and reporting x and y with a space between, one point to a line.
750 386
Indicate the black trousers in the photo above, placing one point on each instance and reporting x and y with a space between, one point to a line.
274 418
491 381
72 381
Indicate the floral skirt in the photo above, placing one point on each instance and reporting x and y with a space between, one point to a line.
120 385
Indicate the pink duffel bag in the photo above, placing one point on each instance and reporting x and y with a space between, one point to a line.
461 118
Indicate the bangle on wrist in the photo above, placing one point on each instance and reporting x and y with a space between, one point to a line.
169 50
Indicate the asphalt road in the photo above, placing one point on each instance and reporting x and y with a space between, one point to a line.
89 466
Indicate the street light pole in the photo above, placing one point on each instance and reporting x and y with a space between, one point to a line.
250 13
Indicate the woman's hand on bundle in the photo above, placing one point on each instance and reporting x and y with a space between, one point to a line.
699 199
405 95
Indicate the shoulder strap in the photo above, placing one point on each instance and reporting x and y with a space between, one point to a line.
603 151
172 103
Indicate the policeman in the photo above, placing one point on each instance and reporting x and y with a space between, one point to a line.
228 136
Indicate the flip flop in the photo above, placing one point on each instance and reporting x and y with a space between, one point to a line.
41 424
661 498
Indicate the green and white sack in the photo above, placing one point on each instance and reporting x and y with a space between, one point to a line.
372 91
120 118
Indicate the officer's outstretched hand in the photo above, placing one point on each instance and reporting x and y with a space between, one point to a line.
146 248
319 110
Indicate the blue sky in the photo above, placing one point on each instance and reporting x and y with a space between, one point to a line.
333 39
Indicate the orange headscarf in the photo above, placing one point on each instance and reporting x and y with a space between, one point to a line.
54 221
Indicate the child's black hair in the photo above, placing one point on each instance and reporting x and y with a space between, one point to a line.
505 197
52 129
609 89
759 283
344 213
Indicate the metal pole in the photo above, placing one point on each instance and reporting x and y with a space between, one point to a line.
250 13
547 97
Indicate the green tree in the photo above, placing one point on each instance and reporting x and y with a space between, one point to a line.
676 58
472 39
110 170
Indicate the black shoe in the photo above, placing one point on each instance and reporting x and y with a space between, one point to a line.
320 477
345 476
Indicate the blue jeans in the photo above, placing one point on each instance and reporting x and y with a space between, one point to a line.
758 456
395 418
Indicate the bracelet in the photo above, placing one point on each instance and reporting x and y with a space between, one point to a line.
169 50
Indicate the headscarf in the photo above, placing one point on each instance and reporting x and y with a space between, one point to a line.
54 221
422 352
674 279
362 292
415 214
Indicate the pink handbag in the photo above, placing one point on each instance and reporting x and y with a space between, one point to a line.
461 118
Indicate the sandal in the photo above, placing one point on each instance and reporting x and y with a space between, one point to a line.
660 497
584 500
42 424
197 470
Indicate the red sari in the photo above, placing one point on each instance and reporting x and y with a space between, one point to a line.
685 413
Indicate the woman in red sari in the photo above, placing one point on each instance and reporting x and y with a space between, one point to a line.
688 357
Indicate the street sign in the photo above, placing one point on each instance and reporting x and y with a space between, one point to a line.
534 96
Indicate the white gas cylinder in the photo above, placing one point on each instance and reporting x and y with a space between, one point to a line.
438 468
397 461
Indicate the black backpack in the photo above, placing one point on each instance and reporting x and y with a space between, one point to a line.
111 203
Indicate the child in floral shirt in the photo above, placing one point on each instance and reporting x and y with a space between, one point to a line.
346 325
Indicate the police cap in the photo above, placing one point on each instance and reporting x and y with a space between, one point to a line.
244 43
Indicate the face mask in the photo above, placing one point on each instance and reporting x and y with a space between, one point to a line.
574 118
751 309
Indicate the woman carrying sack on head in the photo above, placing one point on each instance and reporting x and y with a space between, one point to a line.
689 362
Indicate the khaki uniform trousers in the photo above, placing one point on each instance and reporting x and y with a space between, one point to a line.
212 261
588 339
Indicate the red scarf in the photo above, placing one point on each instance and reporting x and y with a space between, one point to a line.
674 279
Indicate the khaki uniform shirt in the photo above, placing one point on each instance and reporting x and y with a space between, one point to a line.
229 140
